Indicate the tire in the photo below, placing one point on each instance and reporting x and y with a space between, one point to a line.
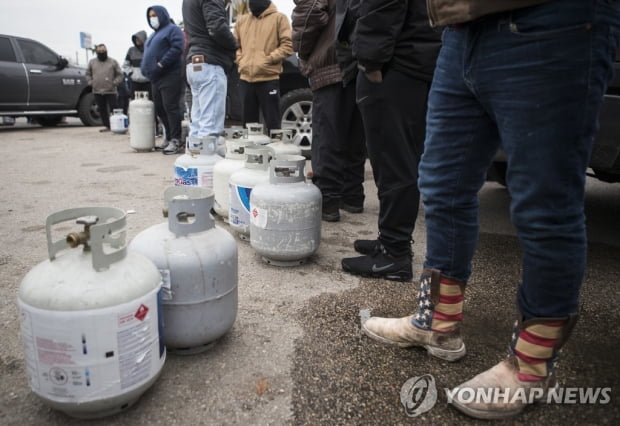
88 110
296 113
48 120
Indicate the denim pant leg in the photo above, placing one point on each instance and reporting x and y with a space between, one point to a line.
208 84
461 140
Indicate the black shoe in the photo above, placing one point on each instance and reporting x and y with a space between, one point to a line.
380 264
330 212
351 208
366 246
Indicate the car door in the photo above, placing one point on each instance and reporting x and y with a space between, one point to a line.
13 79
52 86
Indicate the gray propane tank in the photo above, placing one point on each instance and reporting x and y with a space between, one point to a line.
285 214
142 123
198 265
256 133
119 122
90 320
241 182
195 167
233 161
282 143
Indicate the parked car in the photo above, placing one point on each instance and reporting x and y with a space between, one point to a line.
295 93
37 83
605 159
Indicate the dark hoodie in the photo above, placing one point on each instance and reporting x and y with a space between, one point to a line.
133 59
165 46
258 6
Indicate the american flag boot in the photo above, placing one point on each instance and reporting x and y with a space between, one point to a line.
526 376
434 326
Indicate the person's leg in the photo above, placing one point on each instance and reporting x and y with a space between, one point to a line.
351 132
102 105
461 140
268 93
547 126
326 151
160 112
170 89
251 110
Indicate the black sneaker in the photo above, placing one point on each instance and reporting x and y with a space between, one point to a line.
366 246
351 208
380 264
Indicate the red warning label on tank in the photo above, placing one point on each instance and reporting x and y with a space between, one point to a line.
141 312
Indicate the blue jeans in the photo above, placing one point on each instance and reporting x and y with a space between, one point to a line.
530 81
208 84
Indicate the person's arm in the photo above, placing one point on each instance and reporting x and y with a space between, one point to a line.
376 32
308 21
118 75
214 14
285 49
237 35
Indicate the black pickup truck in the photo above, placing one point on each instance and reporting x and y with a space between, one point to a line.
605 160
37 83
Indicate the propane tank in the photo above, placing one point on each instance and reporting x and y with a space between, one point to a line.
142 125
233 161
285 218
198 265
282 143
256 134
195 167
242 181
118 121
90 321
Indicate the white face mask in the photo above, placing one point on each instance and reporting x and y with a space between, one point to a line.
154 20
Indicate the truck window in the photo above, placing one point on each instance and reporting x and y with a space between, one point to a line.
7 54
36 53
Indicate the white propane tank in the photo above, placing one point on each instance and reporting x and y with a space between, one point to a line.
142 124
285 214
118 121
90 321
256 133
282 143
195 167
242 181
198 264
233 161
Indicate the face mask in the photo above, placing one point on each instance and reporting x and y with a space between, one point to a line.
102 56
154 20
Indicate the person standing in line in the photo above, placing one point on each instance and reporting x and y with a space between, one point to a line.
264 38
396 50
161 64
527 76
210 56
104 75
338 152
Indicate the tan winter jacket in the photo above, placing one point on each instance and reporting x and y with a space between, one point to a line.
264 42
449 12
103 76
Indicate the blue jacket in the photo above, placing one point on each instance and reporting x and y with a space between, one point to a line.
165 46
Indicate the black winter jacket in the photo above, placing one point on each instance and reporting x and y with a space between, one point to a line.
208 33
396 34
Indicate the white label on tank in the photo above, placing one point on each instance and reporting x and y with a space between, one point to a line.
166 288
82 356
239 214
258 216
194 176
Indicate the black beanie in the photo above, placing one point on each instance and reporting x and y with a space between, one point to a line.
258 6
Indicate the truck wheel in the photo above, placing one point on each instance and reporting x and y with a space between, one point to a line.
296 112
88 111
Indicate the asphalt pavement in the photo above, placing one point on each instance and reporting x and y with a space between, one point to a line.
295 355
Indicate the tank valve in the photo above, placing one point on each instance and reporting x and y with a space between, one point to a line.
74 239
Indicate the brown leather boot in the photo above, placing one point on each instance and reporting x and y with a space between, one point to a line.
524 377
436 324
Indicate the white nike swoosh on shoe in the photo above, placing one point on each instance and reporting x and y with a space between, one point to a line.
357 101
273 92
381 268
